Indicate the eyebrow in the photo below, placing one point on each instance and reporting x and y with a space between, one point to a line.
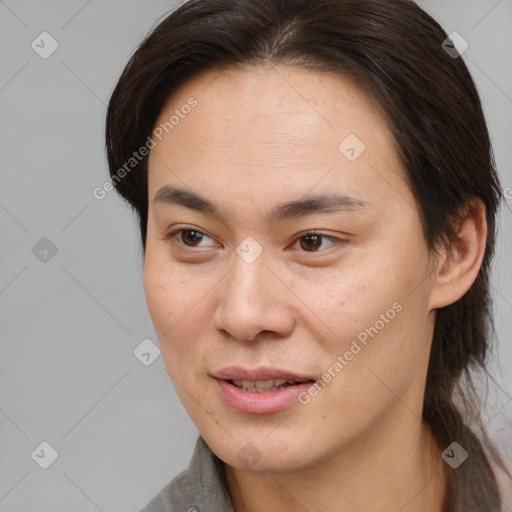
319 203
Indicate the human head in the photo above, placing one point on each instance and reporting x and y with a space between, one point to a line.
393 51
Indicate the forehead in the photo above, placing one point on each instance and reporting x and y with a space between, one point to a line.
297 104
273 131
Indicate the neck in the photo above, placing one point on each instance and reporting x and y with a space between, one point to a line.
401 472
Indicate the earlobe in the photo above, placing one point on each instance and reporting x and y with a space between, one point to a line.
460 259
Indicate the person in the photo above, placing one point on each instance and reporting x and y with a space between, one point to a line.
317 198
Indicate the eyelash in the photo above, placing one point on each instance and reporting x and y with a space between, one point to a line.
172 235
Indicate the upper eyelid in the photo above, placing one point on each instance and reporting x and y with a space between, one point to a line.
175 231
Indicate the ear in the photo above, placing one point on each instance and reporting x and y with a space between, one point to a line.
458 262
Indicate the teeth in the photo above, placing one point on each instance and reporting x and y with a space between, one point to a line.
261 385
268 383
261 390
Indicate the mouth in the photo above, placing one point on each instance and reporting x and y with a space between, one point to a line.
261 391
262 376
264 386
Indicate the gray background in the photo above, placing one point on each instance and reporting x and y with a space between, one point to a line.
69 325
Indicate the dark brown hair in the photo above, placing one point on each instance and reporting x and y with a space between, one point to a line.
394 50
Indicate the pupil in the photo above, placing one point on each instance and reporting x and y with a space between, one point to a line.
315 239
192 236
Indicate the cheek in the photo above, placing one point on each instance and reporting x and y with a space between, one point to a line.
369 312
160 295
169 297
378 345
165 308
178 304
346 302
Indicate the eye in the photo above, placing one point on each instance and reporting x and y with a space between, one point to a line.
313 240
190 237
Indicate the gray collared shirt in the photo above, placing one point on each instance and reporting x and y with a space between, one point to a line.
200 488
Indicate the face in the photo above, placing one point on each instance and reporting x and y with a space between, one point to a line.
283 244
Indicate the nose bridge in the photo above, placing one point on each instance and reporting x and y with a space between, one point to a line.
247 283
250 302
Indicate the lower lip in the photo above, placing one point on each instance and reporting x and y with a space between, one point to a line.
253 402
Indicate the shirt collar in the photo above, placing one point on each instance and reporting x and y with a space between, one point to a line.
207 479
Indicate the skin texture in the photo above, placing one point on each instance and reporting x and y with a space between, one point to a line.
257 138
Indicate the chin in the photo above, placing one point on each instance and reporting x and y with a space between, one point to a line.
260 452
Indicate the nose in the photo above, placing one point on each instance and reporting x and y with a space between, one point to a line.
253 301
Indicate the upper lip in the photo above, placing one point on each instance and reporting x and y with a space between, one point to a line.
261 373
